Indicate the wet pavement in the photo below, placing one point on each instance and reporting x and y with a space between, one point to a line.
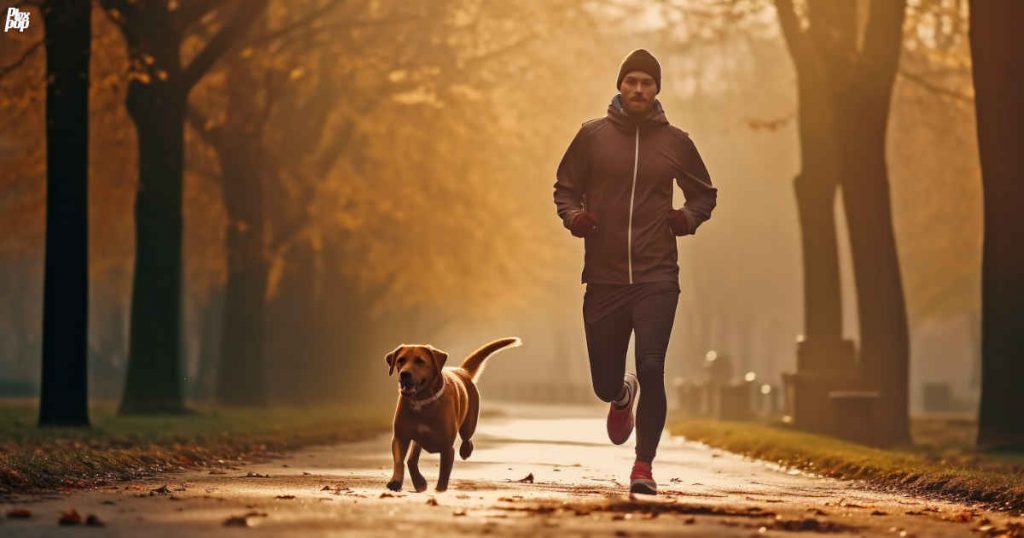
536 471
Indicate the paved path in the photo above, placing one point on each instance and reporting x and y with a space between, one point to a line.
578 489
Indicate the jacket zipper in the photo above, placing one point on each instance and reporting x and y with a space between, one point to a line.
632 192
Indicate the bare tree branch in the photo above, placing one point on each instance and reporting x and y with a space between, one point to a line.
4 71
227 36
299 24
935 88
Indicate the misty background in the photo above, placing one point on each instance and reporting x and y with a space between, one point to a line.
413 149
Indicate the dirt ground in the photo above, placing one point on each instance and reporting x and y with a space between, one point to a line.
536 471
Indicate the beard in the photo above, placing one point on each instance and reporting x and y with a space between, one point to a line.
638 107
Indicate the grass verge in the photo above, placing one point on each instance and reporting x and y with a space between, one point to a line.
937 470
120 448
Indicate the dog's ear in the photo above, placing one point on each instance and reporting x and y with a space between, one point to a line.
390 359
439 357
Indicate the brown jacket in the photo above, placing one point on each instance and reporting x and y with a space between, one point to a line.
621 171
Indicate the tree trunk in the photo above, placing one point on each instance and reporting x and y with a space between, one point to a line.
153 383
881 308
289 336
816 185
815 190
244 175
862 106
850 77
241 376
997 51
209 345
64 394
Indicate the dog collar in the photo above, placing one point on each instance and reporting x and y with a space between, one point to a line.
419 404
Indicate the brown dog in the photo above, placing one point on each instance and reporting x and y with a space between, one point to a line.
434 403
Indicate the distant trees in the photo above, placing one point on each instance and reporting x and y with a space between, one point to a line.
64 396
997 51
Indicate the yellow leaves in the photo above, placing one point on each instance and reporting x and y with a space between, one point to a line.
173 5
296 73
140 76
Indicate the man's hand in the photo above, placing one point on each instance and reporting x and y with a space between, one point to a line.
582 224
678 222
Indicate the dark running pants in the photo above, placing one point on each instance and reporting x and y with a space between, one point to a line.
647 310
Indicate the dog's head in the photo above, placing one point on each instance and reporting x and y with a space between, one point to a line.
417 365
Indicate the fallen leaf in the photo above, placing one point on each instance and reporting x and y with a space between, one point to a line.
431 502
19 513
162 490
878 513
963 516
459 512
251 474
92 520
236 521
71 517
528 479
285 497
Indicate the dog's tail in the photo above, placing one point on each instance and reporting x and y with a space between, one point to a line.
474 363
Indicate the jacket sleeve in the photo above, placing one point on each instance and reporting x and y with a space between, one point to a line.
571 177
701 196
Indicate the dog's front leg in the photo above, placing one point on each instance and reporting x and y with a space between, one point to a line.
418 481
399 446
447 458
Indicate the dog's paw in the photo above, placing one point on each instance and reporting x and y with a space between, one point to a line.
395 485
419 483
466 449
441 488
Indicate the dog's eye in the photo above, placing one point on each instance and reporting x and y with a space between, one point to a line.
419 361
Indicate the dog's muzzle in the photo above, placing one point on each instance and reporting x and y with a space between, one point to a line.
406 383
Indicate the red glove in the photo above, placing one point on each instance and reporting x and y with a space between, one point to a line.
678 222
582 224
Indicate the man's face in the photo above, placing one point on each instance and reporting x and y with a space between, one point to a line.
638 90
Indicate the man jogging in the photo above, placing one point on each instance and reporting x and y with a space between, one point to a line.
614 189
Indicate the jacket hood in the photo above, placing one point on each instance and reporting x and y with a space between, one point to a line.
618 116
